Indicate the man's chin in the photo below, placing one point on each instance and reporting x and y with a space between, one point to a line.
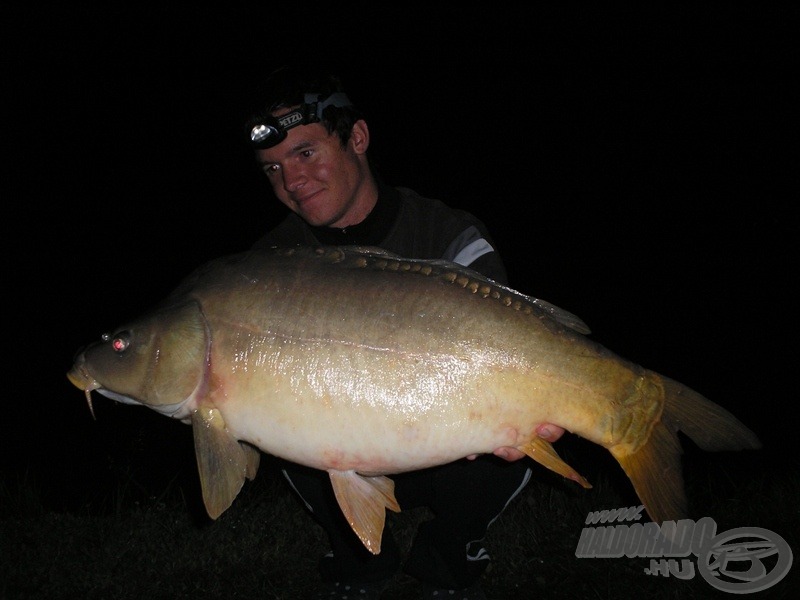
317 220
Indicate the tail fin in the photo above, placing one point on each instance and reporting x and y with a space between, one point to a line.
708 425
655 468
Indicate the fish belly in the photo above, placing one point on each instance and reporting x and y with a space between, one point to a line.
385 411
384 371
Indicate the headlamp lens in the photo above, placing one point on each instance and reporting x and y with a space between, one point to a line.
261 132
272 130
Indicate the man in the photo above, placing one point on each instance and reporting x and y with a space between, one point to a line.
312 143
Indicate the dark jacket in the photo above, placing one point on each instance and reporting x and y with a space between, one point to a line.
407 224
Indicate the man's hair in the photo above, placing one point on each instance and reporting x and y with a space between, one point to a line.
286 88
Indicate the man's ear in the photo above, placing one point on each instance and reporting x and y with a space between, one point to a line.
359 137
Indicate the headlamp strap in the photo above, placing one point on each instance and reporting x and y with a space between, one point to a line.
315 106
266 135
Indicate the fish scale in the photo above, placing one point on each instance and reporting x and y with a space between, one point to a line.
365 364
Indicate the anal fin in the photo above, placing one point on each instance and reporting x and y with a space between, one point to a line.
364 501
543 452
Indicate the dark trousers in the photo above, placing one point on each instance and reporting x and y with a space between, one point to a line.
465 497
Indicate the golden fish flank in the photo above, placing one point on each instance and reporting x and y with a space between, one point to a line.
364 364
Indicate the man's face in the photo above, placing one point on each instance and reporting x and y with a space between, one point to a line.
314 175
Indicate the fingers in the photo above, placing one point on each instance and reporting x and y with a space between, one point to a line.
546 431
549 432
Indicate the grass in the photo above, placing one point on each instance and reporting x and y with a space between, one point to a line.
154 541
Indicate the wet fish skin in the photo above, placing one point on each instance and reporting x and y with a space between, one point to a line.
364 364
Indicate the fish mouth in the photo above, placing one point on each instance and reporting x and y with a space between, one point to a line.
80 378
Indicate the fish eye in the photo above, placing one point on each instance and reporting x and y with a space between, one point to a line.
119 344
119 341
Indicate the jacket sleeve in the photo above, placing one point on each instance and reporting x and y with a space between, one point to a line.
473 248
429 228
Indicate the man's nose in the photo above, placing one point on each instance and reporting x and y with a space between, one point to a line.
293 178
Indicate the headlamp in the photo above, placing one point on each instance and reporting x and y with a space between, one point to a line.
271 131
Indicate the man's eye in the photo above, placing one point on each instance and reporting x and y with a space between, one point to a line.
307 153
270 169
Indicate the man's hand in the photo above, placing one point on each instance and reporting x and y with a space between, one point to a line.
546 431
549 432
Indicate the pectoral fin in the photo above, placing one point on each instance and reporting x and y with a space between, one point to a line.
223 461
543 452
364 501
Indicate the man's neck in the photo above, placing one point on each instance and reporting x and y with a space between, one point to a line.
366 198
371 230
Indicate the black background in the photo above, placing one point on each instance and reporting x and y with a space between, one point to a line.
636 166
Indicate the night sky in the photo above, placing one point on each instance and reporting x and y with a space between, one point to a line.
639 169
